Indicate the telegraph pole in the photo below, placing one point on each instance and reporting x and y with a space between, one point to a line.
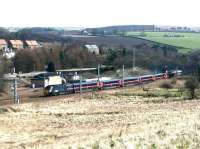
16 99
133 59
122 81
80 84
98 72
123 76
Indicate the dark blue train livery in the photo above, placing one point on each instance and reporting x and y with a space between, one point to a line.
53 90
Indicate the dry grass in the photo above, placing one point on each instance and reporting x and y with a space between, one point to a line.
107 120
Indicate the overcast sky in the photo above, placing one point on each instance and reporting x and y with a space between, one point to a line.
95 13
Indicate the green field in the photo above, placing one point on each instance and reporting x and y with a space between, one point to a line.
184 41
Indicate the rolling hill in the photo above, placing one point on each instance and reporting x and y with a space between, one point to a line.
184 41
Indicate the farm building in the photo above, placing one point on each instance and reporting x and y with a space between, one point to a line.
3 44
32 44
16 44
93 49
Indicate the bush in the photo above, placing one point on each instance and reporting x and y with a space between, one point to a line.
192 84
174 81
3 110
181 90
166 85
167 95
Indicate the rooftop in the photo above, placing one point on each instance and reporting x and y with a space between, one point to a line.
91 46
31 42
3 42
16 42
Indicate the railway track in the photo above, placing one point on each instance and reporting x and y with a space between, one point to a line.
40 98
28 99
35 95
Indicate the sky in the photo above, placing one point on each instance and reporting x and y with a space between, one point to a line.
97 13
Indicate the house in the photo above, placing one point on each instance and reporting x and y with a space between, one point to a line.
16 44
9 54
3 44
32 44
5 51
93 49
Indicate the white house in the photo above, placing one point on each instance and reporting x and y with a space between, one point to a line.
93 49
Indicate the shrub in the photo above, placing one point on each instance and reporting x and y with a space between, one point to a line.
167 95
181 90
174 81
3 110
146 89
166 85
192 84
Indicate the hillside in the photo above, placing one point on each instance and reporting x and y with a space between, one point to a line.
110 119
114 41
122 28
184 41
149 54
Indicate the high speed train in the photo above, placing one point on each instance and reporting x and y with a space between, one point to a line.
70 88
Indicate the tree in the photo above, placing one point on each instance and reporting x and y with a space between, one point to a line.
192 84
51 67
4 68
23 61
1 81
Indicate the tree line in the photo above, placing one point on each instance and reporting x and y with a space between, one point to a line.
63 57
76 56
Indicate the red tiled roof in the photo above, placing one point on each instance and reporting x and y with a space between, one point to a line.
16 42
3 42
31 43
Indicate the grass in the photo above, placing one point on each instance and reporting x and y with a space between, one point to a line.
185 42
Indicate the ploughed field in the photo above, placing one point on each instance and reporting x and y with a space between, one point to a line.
108 119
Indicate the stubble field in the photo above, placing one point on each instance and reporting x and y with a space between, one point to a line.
110 119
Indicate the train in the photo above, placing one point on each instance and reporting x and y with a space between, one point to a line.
70 88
